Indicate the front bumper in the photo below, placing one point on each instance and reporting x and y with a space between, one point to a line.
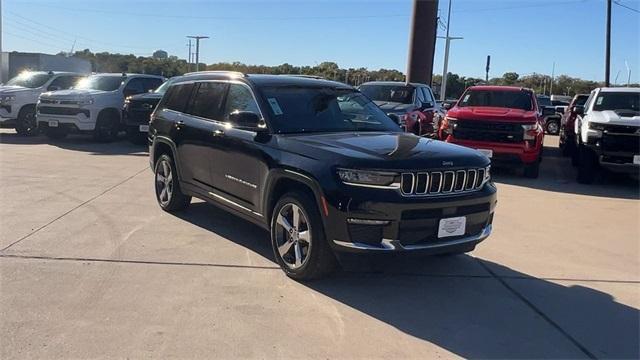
8 115
399 224
616 153
79 122
505 154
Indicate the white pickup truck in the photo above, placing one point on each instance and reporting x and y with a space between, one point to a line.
18 97
608 132
93 106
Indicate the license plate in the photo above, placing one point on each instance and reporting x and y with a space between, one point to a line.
144 128
486 152
53 123
636 159
452 226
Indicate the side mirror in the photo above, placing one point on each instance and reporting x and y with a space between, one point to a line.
578 110
247 120
395 118
446 106
54 88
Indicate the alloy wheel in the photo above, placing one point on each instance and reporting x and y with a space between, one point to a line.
293 236
164 182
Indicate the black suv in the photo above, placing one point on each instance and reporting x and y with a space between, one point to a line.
137 111
319 165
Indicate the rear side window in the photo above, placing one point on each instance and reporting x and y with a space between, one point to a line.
240 99
178 96
207 102
427 95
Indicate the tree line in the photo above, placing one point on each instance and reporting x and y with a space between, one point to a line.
162 64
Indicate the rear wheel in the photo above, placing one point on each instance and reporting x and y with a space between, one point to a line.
553 127
298 239
26 124
168 192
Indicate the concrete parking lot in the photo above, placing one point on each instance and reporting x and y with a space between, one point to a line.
90 267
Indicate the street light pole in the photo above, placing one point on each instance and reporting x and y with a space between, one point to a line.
198 37
607 66
445 70
553 74
628 73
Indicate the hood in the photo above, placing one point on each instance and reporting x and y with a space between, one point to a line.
148 97
72 94
377 150
619 117
492 113
394 107
10 90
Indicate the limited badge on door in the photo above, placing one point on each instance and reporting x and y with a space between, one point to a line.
636 159
452 227
144 128
53 123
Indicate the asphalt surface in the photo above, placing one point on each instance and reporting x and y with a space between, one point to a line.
90 267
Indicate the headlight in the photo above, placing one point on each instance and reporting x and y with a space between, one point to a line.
595 130
596 126
448 124
127 100
487 174
6 99
367 178
531 131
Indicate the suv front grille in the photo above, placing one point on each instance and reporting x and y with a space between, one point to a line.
478 130
56 110
442 182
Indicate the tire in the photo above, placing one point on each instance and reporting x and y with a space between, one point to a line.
135 136
301 257
587 166
552 127
532 170
107 127
167 187
26 124
56 133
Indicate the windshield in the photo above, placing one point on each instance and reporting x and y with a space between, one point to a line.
581 100
497 98
389 93
617 101
305 109
544 101
30 80
163 88
100 82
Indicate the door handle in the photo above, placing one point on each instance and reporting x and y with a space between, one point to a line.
179 124
218 132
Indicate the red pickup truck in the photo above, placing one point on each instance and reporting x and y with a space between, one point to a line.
503 122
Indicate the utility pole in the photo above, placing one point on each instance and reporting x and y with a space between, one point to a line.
1 57
553 74
422 41
607 61
445 71
198 37
628 73
189 58
486 76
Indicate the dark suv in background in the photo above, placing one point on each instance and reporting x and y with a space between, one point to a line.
317 164
137 112
411 105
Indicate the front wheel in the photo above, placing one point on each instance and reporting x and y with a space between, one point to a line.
298 239
107 128
168 192
26 124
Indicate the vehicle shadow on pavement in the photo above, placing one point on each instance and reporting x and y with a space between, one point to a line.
558 175
459 303
82 143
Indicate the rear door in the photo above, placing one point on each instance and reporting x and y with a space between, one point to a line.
194 133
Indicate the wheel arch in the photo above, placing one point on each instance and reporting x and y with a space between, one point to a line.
161 146
282 181
110 111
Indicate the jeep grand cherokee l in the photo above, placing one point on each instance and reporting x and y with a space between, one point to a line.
411 105
93 106
501 121
317 164
608 132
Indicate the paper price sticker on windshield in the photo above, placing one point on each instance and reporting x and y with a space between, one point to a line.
275 106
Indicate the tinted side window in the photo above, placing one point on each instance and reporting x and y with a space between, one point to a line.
64 82
240 99
151 84
134 86
178 96
207 102
427 95
420 95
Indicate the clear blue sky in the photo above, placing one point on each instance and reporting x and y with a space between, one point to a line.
524 36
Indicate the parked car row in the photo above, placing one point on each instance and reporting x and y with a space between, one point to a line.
58 103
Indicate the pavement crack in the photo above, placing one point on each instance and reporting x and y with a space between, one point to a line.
538 311
73 209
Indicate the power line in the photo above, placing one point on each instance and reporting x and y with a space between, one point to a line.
513 7
28 39
625 6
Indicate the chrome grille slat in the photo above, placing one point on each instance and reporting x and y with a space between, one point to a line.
422 183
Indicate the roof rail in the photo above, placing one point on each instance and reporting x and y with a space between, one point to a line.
236 73
305 76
